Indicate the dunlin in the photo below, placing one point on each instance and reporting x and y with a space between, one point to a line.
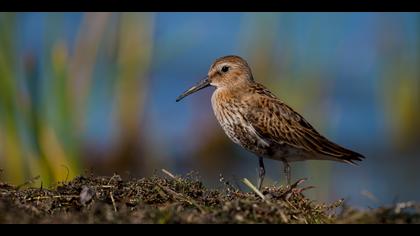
258 121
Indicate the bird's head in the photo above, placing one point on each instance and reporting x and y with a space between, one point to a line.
225 72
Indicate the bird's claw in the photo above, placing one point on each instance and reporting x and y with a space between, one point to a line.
293 189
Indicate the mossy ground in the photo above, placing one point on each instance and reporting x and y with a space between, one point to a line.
166 199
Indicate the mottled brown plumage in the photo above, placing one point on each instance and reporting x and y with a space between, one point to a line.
257 120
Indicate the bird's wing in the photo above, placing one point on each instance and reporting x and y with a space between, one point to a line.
276 122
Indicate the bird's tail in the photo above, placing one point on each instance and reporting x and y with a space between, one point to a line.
339 153
351 159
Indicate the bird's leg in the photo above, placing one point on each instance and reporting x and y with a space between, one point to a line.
287 172
292 188
261 172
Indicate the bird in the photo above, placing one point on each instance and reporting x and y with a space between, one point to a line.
257 120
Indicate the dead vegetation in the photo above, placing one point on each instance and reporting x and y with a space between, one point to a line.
166 198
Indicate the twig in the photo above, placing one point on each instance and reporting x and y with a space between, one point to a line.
47 197
290 204
111 178
107 186
113 201
283 217
169 174
181 197
253 188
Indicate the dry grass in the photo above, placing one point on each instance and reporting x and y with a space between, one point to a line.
167 198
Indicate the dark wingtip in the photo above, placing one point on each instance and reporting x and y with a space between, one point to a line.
351 159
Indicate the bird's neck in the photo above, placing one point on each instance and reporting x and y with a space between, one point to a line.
227 93
239 87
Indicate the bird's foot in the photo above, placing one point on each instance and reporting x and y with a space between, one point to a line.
292 189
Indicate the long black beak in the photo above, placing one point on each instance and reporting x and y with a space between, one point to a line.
200 85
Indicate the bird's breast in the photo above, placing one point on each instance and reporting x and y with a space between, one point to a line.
229 112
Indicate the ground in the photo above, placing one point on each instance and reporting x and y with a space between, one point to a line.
165 198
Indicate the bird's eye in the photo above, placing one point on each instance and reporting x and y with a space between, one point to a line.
225 69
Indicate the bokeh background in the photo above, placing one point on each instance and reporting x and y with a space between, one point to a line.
96 92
